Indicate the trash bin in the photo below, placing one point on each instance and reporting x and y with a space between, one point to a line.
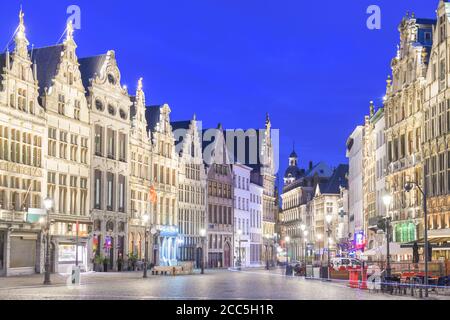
75 275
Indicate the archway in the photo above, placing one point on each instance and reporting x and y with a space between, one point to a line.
226 255
198 257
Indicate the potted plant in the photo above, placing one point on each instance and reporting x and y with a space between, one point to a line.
105 264
119 264
98 261
132 259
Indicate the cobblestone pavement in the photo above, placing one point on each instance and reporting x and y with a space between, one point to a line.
222 284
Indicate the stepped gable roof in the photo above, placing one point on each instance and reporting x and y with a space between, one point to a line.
89 67
46 60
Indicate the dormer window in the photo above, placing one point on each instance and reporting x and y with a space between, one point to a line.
111 79
123 114
99 105
442 33
111 109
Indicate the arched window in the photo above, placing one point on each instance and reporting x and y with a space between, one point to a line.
411 232
110 226
398 233
97 225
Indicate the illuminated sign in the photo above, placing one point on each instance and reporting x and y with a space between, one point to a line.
359 240
168 231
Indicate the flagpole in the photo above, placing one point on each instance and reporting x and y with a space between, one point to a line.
76 248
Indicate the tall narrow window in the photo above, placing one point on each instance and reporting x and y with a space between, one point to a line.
98 140
122 193
110 192
122 147
111 138
61 104
77 108
98 189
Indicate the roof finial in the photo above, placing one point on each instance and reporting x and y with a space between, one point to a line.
372 109
20 39
69 30
139 87
194 117
21 14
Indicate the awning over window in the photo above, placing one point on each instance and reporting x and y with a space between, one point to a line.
394 249
436 242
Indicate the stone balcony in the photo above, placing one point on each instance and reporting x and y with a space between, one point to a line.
13 216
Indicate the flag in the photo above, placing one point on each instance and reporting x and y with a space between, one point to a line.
152 194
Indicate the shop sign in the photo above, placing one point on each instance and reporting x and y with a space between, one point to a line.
359 240
168 231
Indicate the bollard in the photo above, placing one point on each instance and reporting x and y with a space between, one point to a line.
363 284
420 292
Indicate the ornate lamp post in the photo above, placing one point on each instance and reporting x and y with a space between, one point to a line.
202 261
328 219
305 241
154 233
387 199
408 187
239 232
267 236
319 239
303 227
287 239
48 204
145 219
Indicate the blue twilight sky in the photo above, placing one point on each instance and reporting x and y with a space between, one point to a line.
313 65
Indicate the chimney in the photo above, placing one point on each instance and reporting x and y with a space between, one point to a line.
310 165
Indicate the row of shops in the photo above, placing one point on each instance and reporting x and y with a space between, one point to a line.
22 247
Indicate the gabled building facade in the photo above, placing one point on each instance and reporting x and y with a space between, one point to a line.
22 167
68 154
165 181
109 105
404 116
140 180
191 190
220 214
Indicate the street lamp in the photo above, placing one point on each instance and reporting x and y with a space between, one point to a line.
319 239
387 200
203 235
305 233
239 232
408 187
48 204
154 232
145 219
302 227
328 219
267 236
287 239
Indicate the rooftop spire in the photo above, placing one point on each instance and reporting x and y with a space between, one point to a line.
20 39
139 87
69 31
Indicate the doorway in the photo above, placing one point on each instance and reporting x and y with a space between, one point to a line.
226 255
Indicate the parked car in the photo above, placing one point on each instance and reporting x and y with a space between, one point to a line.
344 263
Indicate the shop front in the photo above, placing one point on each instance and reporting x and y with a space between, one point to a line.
23 253
2 253
168 244
70 249
108 245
